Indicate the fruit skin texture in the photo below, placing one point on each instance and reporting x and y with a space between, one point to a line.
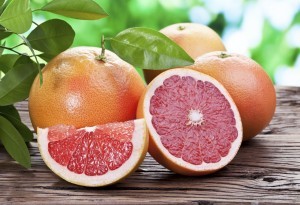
82 91
159 155
248 84
195 39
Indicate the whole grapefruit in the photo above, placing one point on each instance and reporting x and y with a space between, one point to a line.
80 90
196 39
249 85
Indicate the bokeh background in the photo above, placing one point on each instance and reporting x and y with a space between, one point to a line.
266 30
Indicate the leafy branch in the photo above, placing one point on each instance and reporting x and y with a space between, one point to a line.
18 70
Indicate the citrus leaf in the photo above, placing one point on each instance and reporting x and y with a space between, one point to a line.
46 56
79 9
28 44
17 16
25 132
16 83
4 33
149 49
2 47
10 110
14 143
2 2
7 61
52 37
4 5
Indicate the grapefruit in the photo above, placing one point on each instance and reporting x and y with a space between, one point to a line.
248 84
194 125
94 156
81 90
195 39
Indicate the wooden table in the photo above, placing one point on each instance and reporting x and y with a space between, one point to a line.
265 171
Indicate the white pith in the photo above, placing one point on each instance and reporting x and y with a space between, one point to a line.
158 81
138 140
195 117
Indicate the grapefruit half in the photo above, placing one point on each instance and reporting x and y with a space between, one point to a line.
195 127
94 156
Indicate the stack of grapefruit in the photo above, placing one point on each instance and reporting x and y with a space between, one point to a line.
194 118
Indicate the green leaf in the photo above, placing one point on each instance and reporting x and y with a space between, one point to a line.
14 143
16 83
12 114
52 37
79 9
7 62
46 56
28 44
17 16
4 33
25 132
149 49
4 5
2 2
2 47
10 110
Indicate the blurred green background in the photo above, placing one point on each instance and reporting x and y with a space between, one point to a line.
267 30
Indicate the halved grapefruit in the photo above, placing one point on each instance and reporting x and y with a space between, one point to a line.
195 127
94 156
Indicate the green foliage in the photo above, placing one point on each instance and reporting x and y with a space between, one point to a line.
10 110
17 16
16 122
149 49
16 83
7 61
51 38
18 70
13 142
79 9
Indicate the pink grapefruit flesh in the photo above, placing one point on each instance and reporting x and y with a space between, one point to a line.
194 125
94 156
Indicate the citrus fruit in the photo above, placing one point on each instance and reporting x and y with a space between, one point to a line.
194 125
248 84
80 90
195 39
94 156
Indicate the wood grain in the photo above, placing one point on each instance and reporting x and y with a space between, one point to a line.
265 171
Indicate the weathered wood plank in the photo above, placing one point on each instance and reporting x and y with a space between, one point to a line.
265 171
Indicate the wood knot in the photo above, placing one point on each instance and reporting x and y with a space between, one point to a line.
269 179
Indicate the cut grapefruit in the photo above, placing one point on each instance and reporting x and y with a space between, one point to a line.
195 127
94 156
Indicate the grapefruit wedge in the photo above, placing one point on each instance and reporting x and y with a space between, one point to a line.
94 156
195 127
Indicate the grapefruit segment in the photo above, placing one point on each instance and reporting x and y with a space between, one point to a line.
94 156
195 127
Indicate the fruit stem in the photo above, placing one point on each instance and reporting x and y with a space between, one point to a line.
102 55
224 55
181 27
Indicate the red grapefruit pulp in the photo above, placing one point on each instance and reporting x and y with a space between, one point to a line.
194 125
94 156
